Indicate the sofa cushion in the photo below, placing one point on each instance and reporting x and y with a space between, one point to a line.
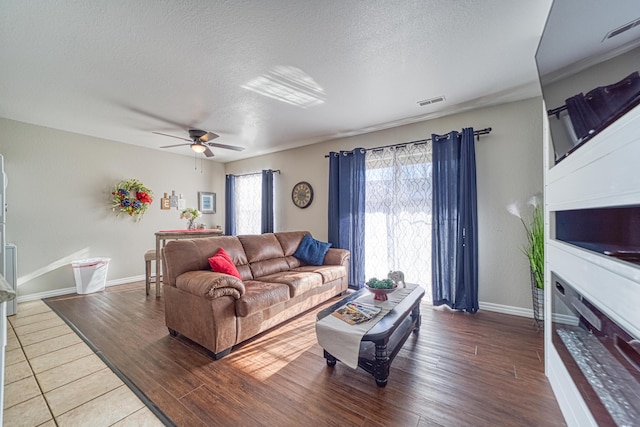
266 267
290 240
328 272
260 247
312 251
293 262
264 254
221 263
181 256
209 285
259 296
299 282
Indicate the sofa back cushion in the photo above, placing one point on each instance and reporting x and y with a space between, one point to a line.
290 240
264 254
181 256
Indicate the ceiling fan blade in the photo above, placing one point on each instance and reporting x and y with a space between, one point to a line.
171 136
177 145
208 153
226 147
156 117
208 136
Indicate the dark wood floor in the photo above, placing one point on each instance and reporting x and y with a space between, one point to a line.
482 370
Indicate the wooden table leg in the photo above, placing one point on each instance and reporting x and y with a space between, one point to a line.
381 365
331 361
158 266
415 316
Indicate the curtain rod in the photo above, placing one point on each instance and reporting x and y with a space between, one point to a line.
556 111
476 133
256 173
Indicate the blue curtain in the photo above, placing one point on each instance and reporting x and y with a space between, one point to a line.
267 201
455 222
347 208
230 206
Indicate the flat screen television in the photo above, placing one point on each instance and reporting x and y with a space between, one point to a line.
588 60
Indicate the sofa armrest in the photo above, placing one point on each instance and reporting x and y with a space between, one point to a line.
209 284
337 256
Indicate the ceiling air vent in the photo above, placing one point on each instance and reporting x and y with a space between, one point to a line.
431 101
622 29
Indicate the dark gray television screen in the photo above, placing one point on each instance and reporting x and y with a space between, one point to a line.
588 61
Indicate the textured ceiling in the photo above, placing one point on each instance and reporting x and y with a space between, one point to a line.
573 39
123 69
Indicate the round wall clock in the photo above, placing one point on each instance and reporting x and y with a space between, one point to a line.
302 194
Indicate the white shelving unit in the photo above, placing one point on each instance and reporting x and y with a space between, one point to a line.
604 172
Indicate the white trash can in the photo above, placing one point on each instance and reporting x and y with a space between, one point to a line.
90 274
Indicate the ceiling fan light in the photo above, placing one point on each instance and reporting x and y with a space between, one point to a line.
198 148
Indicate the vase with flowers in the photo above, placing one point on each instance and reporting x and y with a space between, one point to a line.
131 197
190 214
534 250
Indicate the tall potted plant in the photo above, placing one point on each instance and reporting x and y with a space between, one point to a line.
534 250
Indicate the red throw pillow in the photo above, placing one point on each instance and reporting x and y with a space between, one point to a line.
221 263
221 252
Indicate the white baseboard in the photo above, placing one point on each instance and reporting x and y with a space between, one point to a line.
506 309
72 290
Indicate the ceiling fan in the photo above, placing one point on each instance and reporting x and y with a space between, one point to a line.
200 142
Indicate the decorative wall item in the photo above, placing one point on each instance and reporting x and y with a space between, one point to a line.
207 202
165 202
173 200
302 194
190 214
131 197
182 202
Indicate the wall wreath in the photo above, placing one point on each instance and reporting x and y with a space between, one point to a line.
131 197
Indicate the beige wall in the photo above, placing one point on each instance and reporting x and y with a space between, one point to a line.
509 168
59 201
60 183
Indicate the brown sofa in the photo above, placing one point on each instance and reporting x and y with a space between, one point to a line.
219 311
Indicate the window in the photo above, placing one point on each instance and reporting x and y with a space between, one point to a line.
248 207
398 212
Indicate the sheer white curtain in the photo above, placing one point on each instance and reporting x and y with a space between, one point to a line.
248 204
398 213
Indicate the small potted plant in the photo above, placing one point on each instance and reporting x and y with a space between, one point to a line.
380 288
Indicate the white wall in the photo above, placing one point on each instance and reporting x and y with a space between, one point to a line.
509 168
59 201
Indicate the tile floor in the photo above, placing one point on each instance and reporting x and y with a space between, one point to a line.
52 378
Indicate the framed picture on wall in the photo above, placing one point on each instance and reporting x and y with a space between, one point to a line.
206 202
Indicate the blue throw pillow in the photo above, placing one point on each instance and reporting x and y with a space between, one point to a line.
311 251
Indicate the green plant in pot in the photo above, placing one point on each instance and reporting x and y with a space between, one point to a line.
534 249
380 288
375 283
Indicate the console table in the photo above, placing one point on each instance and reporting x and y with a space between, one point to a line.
163 235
